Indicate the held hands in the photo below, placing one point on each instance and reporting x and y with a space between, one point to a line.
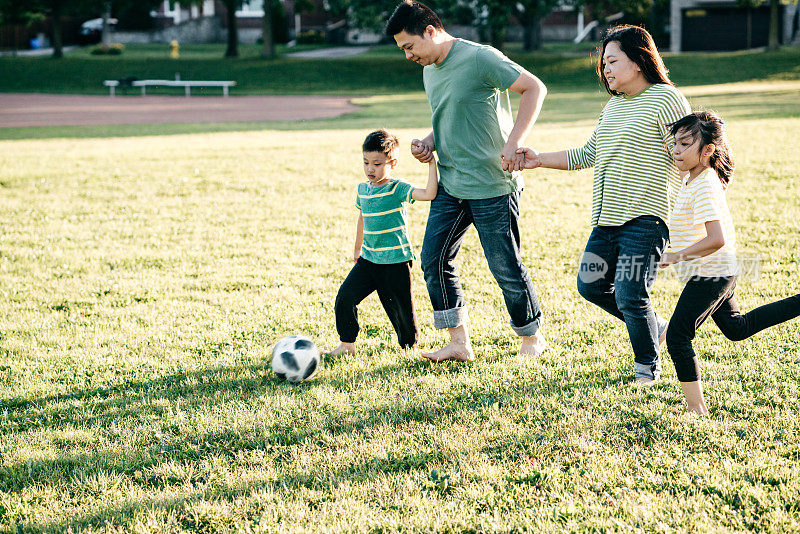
667 259
529 158
511 159
422 151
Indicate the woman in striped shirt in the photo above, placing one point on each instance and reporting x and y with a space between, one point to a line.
704 244
635 182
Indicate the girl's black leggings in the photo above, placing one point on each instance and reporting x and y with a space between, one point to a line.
704 297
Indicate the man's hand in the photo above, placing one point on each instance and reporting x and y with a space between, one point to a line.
529 158
510 158
667 259
422 151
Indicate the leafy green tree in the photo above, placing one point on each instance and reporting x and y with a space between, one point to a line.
530 13
18 13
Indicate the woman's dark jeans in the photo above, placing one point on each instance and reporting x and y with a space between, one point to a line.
617 271
496 220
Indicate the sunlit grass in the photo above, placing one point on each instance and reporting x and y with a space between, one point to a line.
145 279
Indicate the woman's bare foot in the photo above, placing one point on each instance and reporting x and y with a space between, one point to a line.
452 351
532 345
343 348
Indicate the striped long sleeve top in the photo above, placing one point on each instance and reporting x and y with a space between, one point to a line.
631 152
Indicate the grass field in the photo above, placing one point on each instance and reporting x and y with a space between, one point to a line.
146 274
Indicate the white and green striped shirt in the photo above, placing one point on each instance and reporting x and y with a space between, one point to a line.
631 152
383 208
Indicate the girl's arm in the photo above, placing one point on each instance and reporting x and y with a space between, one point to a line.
712 242
359 236
429 193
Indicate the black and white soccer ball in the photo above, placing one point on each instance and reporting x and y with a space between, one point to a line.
295 358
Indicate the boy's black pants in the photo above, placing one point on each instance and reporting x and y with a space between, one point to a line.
704 297
393 283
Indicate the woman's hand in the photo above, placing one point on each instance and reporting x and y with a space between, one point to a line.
530 158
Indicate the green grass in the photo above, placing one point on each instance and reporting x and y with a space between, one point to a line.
145 279
383 70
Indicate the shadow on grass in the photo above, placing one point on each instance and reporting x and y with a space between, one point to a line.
164 443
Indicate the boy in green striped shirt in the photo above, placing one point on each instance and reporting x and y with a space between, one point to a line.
383 251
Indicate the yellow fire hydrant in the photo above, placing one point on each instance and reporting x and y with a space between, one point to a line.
174 49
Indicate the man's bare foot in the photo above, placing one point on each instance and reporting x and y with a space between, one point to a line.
452 351
644 381
532 345
343 348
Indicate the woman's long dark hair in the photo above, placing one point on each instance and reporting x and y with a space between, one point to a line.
710 129
640 48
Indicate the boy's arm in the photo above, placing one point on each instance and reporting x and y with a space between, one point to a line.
430 191
533 92
359 237
712 242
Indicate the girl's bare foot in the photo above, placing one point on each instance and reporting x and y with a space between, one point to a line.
343 348
699 410
452 351
532 345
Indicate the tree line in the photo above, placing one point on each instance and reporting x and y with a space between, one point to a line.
493 16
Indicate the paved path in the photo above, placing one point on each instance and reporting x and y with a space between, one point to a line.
334 52
18 110
34 53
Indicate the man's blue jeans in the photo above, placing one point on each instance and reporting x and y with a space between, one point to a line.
496 220
617 271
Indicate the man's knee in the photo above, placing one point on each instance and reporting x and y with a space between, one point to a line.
429 260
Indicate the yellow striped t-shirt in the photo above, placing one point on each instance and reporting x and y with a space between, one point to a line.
701 201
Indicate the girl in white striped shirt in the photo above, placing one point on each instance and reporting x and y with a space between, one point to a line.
703 239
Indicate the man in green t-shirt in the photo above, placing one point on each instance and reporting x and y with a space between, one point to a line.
476 138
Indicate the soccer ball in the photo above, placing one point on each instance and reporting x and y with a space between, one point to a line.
295 358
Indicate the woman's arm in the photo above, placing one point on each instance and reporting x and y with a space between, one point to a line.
712 242
430 191
552 160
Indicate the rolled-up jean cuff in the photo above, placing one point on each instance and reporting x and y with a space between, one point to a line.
450 318
529 329
651 371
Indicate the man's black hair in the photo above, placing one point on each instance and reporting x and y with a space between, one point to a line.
412 17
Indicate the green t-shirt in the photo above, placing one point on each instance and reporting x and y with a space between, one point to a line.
386 238
471 116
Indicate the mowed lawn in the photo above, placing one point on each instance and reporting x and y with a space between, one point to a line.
145 279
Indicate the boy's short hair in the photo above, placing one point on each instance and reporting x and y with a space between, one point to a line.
412 17
381 141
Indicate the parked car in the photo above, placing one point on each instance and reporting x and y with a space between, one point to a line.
91 31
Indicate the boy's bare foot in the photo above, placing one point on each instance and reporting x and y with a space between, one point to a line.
452 351
532 345
343 348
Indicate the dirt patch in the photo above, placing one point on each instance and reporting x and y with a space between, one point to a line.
19 110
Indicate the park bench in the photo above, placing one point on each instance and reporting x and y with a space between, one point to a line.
186 84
